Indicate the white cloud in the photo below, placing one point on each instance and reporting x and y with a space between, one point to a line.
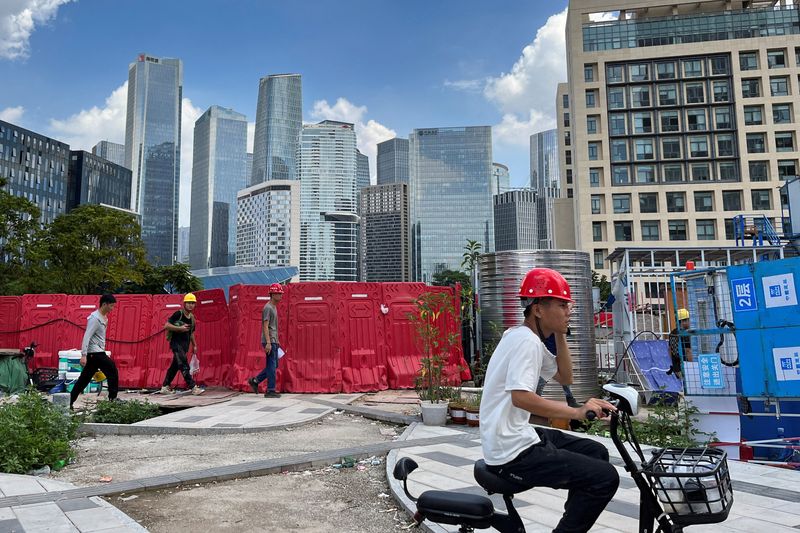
12 114
189 115
18 19
85 128
531 84
470 86
516 132
368 133
604 16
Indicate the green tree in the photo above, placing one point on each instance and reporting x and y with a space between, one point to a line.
448 278
94 249
20 233
603 283
169 279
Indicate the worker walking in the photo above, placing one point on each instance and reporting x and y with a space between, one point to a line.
180 333
269 341
93 351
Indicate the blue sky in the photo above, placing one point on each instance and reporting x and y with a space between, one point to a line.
387 66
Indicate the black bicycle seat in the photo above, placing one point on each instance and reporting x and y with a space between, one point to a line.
456 508
493 483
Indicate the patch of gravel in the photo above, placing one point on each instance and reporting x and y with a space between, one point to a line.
131 457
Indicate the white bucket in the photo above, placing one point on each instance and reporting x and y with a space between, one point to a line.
69 360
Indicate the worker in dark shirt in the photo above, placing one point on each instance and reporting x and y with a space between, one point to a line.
675 341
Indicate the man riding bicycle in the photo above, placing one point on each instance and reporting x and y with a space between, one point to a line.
537 457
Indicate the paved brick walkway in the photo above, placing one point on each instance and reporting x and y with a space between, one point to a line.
765 499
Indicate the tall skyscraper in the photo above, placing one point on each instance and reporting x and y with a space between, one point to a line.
183 245
362 170
546 181
218 173
36 168
501 179
683 115
110 151
249 171
279 117
386 247
327 167
268 231
95 180
153 151
450 173
392 161
515 221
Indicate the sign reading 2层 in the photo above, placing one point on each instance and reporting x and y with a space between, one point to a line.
779 290
787 363
710 371
744 294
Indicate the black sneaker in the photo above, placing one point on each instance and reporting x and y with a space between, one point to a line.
253 385
272 394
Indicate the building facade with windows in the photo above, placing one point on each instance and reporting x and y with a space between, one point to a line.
450 173
153 151
516 221
268 224
683 115
546 175
279 118
328 169
110 151
219 169
392 163
386 248
95 180
36 167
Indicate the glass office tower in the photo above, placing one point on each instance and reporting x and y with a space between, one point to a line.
546 181
450 172
279 117
392 161
327 167
153 151
110 151
218 173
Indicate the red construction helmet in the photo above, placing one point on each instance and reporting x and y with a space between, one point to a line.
276 288
545 283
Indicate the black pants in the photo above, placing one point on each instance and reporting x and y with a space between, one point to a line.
562 461
94 362
179 362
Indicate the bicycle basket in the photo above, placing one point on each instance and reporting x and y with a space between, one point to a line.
692 484
44 378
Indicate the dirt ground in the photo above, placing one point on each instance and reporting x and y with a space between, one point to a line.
355 500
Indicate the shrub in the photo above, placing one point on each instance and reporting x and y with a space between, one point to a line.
34 433
124 412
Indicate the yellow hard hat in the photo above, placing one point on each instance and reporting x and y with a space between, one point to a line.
189 298
683 314
99 376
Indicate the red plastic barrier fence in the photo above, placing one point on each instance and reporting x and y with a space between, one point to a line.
213 338
338 337
10 310
128 338
41 323
361 337
313 362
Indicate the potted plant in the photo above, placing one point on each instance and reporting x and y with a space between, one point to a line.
456 405
473 409
431 381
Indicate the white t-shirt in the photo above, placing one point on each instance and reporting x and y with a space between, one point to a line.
516 364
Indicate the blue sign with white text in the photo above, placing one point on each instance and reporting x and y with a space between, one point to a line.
710 371
744 295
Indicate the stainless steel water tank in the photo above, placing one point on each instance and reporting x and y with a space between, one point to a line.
500 277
